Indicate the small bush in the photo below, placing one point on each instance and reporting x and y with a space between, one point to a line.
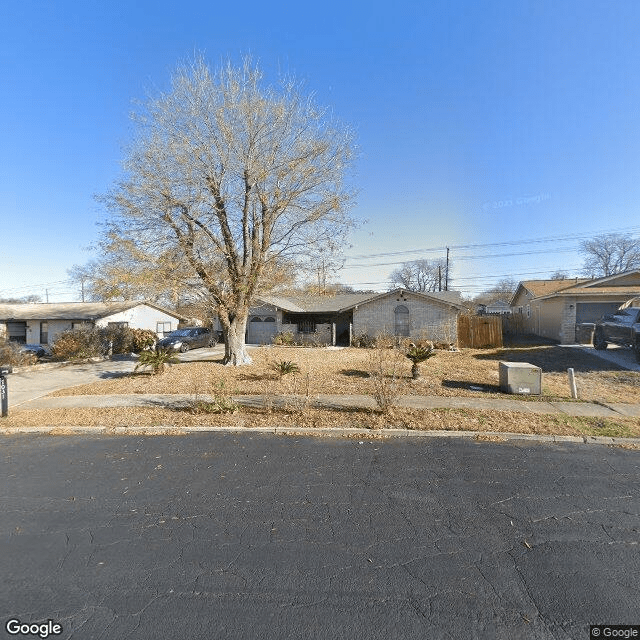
11 355
384 367
284 367
78 344
284 338
363 341
221 402
156 360
142 339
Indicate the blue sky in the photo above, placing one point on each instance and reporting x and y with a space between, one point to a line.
480 124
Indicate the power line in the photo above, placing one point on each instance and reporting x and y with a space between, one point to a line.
521 241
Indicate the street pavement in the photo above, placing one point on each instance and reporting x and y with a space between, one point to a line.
234 537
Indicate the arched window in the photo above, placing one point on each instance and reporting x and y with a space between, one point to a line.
401 320
256 319
269 319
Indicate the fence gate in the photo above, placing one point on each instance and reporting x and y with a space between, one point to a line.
480 332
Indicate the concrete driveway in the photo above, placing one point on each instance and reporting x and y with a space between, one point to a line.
613 353
35 382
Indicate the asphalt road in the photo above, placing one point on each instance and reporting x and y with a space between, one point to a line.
226 536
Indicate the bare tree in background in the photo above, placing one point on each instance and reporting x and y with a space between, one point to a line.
422 275
609 254
236 179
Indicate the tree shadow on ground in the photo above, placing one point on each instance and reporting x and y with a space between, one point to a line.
355 373
549 356
470 385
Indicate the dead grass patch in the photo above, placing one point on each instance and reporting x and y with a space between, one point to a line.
312 418
468 372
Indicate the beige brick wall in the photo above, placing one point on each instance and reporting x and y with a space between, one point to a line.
427 320
568 322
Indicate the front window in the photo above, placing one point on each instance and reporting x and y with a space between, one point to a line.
401 321
307 326
162 328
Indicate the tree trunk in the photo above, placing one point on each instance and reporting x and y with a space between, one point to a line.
415 371
235 351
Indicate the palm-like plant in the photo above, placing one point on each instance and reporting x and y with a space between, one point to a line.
418 355
284 367
156 359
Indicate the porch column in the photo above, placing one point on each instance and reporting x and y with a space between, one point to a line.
568 322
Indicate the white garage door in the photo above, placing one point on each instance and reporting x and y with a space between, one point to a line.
261 330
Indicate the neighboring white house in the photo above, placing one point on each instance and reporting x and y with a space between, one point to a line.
336 319
558 308
497 307
40 323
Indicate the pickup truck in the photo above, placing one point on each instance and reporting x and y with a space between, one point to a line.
622 328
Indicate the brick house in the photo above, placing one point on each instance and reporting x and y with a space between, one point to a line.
558 309
334 320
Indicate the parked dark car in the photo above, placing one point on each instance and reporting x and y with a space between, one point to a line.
622 328
188 338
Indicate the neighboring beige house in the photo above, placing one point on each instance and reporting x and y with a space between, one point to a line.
557 308
336 319
40 323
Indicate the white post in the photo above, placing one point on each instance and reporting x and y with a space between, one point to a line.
572 383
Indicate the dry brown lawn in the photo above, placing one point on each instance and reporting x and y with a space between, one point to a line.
468 372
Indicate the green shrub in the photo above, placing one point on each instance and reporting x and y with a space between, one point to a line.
418 354
156 360
284 367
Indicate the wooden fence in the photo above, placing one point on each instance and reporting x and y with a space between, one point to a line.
479 332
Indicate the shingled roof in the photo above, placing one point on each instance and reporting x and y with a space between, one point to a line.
81 311
345 301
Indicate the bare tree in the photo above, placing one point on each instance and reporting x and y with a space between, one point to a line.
236 178
422 275
22 300
608 254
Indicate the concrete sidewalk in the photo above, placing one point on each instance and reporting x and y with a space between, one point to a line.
575 408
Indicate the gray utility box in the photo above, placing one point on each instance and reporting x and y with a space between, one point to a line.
520 377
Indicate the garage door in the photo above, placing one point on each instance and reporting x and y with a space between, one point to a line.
261 330
17 331
592 311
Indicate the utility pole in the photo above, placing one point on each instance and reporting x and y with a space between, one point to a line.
46 291
439 277
446 273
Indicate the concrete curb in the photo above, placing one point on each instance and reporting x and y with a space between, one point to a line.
338 432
